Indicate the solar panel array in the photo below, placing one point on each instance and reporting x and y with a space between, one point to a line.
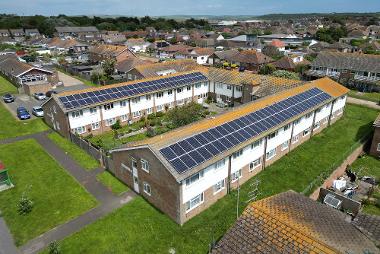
190 152
114 93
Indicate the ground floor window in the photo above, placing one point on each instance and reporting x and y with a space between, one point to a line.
219 186
79 130
95 126
254 164
194 202
149 111
306 132
160 108
147 188
378 147
136 114
124 118
295 139
236 175
317 125
110 121
270 154
285 145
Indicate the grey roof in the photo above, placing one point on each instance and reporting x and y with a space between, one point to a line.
348 61
76 29
12 66
369 225
292 223
31 31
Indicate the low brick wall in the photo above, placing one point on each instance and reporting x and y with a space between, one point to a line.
339 171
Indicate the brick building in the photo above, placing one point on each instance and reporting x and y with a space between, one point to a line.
375 147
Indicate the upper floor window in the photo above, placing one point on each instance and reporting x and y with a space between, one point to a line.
188 88
148 97
147 188
108 106
229 87
123 104
136 100
192 179
170 92
160 94
76 114
93 110
237 154
286 127
239 88
145 165
256 144
198 85
220 163
272 135
179 90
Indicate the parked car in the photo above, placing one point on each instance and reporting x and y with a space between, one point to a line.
40 96
8 98
50 93
22 113
38 111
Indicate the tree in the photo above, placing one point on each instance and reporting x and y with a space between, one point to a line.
267 69
272 51
184 115
109 67
116 126
286 74
301 68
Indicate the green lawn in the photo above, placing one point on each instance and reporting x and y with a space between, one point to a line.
365 96
56 195
10 127
6 86
159 233
112 183
369 166
75 152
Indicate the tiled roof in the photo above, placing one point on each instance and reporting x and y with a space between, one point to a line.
12 66
349 61
106 49
175 48
292 223
150 70
277 43
76 29
369 225
59 43
244 56
130 63
285 63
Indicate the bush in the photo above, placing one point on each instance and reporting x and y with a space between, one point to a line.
286 74
150 132
151 116
267 69
186 114
25 205
116 126
160 114
54 248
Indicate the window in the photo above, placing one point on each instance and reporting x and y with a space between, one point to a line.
220 86
108 106
79 130
180 102
219 186
136 114
160 94
188 88
229 87
284 145
124 118
160 108
220 163
307 116
239 88
136 100
134 163
254 164
236 175
93 110
297 121
295 139
123 104
306 132
179 90
110 121
272 135
198 85
256 144
145 165
77 114
170 92
148 97
149 111
317 125
95 126
194 202
147 188
194 178
318 110
378 147
286 127
271 154
237 154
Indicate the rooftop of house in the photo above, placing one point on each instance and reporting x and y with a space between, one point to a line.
285 63
151 70
277 43
348 61
128 64
12 66
109 50
175 48
292 223
60 43
76 29
244 56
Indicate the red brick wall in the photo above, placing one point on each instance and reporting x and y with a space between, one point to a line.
375 141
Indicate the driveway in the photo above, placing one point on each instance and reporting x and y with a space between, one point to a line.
68 80
25 101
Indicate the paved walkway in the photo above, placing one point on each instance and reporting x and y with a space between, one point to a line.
366 103
108 201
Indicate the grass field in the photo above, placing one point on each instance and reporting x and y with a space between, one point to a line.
10 127
375 97
6 87
369 166
56 195
112 183
75 152
159 233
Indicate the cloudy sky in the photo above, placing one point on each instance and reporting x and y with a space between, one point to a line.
183 7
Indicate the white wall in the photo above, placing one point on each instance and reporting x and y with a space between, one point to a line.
281 137
142 104
86 119
325 112
184 94
248 156
116 111
165 99
303 125
339 103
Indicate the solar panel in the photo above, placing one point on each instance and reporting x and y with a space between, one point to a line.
115 93
218 139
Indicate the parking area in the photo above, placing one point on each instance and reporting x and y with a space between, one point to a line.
25 101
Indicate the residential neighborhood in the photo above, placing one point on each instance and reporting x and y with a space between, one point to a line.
202 129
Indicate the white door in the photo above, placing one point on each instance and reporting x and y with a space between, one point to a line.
135 178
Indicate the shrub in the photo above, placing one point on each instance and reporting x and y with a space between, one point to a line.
286 74
151 116
116 126
150 132
54 248
160 114
25 205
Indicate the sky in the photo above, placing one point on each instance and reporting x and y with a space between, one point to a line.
183 7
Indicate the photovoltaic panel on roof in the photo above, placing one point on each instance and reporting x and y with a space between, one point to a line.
192 151
114 93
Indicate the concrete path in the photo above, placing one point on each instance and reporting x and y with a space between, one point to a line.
7 245
366 103
68 80
108 201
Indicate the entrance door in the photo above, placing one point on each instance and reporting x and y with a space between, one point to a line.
135 178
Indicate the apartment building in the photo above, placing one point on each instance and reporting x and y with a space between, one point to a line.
94 110
360 70
186 170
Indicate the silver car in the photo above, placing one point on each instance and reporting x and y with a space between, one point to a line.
38 111
40 96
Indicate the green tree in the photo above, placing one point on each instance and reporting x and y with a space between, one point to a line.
267 69
286 74
109 67
184 115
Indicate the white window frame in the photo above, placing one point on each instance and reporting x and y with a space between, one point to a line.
190 206
108 106
378 147
124 117
254 164
285 145
257 143
219 186
136 114
93 110
194 178
317 125
77 114
95 126
123 104
79 130
147 188
295 139
306 132
237 154
144 165
234 176
110 121
270 154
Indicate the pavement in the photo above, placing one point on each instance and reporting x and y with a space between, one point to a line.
108 201
23 100
68 80
366 103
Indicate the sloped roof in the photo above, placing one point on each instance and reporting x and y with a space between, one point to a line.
277 43
349 61
175 48
107 49
377 121
292 223
285 63
150 70
244 56
130 63
59 43
76 29
11 66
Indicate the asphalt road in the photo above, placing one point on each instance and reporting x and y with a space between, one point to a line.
25 101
